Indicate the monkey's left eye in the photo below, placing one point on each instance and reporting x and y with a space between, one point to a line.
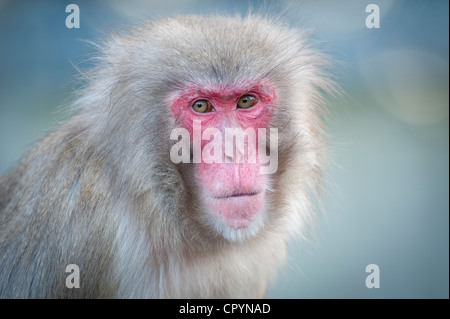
202 106
247 101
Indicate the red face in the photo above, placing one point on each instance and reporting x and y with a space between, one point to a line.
233 190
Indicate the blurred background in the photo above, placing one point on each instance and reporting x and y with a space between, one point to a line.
387 199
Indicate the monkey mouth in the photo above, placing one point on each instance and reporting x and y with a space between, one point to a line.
238 209
237 195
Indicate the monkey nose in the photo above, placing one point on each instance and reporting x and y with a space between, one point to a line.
234 157
234 152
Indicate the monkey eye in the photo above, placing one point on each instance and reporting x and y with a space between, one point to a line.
202 106
246 101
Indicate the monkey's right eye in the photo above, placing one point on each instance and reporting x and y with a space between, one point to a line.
202 106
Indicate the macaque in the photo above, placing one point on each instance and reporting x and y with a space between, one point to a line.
144 189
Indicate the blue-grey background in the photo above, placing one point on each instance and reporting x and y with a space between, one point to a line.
387 198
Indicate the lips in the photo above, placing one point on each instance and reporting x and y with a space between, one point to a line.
237 195
238 209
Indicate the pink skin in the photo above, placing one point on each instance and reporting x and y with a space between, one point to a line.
233 191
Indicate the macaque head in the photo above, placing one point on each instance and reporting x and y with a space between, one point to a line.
233 106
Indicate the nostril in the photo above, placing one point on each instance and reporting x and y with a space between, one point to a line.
228 158
237 158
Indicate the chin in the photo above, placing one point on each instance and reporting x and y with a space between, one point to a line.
238 216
